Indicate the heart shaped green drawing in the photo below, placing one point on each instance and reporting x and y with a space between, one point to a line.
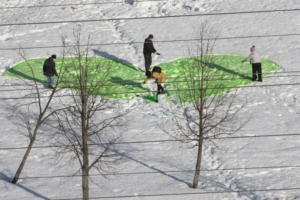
126 79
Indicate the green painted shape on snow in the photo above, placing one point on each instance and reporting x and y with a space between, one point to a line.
121 75
126 78
235 73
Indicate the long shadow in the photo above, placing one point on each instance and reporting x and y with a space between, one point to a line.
158 170
130 1
233 186
153 168
229 71
120 81
114 58
25 76
8 179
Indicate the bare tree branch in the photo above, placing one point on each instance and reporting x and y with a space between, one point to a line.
83 122
212 112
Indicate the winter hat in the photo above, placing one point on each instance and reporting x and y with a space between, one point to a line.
151 36
252 48
53 56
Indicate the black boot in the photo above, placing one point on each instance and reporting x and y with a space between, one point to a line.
160 89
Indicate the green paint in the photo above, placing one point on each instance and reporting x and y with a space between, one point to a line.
127 78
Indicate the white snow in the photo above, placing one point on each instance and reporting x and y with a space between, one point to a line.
275 109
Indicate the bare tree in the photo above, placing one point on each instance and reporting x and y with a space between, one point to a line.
87 134
212 112
32 111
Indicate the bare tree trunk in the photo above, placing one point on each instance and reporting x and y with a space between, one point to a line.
80 125
85 170
85 184
201 118
42 116
211 112
19 171
32 139
198 165
85 148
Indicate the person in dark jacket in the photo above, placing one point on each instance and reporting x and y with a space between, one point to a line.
49 70
147 51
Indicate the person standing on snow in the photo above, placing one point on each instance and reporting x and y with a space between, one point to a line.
254 58
147 51
160 78
49 70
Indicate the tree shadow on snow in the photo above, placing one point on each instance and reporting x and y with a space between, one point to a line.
8 179
234 184
153 168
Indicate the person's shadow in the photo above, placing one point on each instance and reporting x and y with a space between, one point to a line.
114 58
8 179
225 70
25 76
119 81
130 1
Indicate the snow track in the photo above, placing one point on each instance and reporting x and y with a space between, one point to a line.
273 110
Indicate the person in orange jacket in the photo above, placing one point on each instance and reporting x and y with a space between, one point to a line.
159 76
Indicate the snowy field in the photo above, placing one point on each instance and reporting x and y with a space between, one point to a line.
264 167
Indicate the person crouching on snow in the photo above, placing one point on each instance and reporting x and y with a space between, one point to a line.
254 57
159 76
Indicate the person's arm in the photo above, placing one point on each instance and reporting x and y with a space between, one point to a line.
249 58
149 46
153 49
54 70
163 77
44 68
146 80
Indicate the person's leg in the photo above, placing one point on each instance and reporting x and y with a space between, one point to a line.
50 81
254 72
160 89
148 74
158 92
259 71
148 62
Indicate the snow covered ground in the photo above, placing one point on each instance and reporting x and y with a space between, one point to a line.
275 109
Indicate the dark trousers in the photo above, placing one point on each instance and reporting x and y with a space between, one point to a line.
160 89
148 61
256 68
